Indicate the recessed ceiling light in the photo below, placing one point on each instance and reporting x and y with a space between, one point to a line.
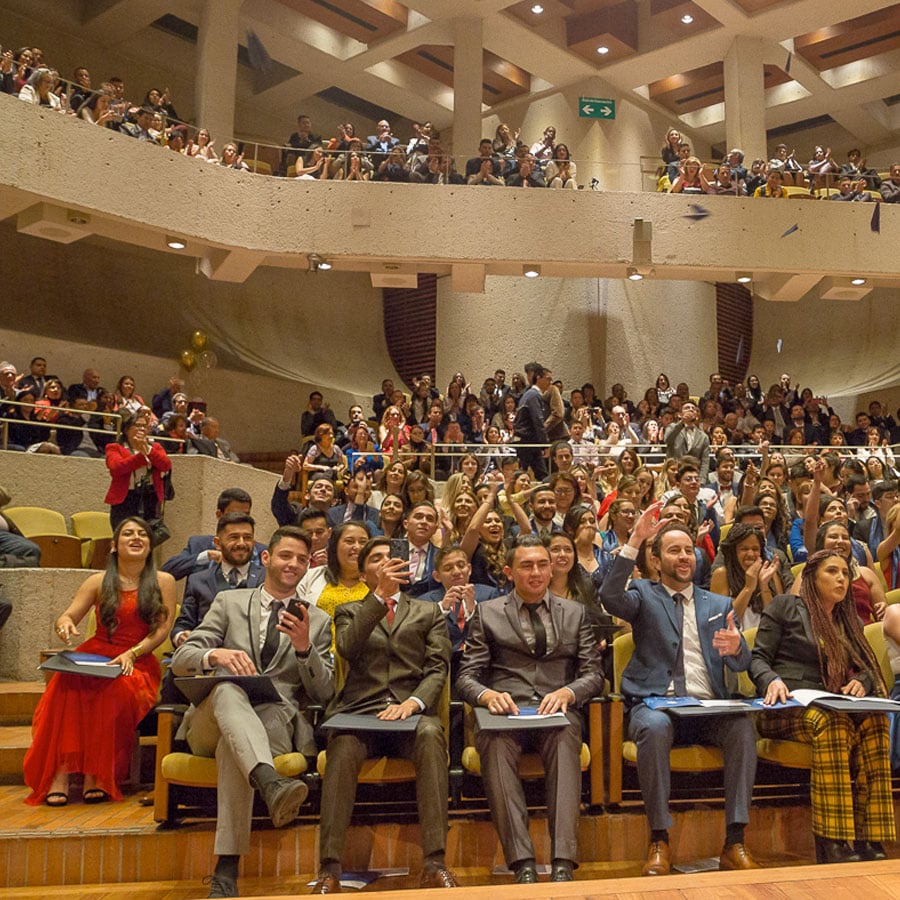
175 243
857 281
633 274
603 50
531 271
537 9
324 266
744 278
687 19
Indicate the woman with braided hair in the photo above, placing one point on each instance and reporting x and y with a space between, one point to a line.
816 641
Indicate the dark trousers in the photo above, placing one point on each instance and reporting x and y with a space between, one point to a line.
533 457
427 748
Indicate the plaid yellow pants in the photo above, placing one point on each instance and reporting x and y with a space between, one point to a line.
850 779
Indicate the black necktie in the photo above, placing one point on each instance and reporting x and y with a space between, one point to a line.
232 578
540 633
679 680
272 635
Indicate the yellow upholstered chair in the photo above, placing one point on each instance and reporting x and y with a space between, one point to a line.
893 596
723 531
95 532
797 568
47 529
798 193
690 758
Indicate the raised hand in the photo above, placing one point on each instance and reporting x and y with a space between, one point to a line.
728 640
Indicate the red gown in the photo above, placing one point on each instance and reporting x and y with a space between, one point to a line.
85 724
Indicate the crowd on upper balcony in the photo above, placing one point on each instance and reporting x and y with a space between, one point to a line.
682 172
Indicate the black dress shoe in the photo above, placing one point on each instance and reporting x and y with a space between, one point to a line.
829 850
526 874
562 870
871 851
283 798
221 886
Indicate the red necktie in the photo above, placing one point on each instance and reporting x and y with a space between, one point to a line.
461 616
390 603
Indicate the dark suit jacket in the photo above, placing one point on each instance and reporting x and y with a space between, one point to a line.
785 648
372 518
427 582
482 592
185 563
201 590
390 665
498 657
651 612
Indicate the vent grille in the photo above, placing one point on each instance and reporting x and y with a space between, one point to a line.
734 326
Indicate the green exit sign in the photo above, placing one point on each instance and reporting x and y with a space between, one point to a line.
596 108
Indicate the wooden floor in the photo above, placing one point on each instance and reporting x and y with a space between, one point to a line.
860 881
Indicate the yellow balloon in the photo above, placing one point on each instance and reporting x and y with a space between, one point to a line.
198 340
188 359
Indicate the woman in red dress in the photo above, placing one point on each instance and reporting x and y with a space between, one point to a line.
85 724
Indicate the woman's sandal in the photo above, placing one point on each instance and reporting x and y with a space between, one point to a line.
56 799
95 795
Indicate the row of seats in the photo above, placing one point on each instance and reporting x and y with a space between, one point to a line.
87 547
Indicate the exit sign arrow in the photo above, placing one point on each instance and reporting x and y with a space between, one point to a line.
596 108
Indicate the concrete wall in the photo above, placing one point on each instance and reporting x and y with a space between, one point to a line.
598 330
70 485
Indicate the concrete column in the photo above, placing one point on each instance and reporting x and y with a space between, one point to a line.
745 100
468 53
217 68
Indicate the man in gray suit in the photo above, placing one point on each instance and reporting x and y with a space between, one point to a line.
687 438
247 632
684 637
531 648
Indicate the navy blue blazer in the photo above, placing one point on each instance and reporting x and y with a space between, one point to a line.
482 592
185 563
651 612
201 589
428 582
372 517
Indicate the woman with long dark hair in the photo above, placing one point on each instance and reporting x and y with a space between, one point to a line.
816 641
747 577
339 580
85 725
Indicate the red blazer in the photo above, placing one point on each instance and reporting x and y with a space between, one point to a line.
121 463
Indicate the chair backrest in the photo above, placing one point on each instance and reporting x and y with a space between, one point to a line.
723 531
745 682
892 596
91 524
36 520
875 637
797 568
623 647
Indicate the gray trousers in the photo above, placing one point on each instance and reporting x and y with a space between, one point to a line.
239 736
655 732
560 752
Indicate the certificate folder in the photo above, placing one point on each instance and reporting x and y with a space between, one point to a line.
72 662
354 722
258 688
489 722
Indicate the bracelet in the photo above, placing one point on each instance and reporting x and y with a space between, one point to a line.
136 651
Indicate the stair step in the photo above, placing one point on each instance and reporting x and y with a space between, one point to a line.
14 741
18 701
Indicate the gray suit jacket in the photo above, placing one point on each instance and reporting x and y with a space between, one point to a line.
677 446
233 622
651 612
497 656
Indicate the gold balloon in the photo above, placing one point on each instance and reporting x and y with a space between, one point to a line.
208 359
198 340
188 360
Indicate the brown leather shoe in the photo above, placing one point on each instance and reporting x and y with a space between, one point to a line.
737 857
327 884
657 859
437 877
